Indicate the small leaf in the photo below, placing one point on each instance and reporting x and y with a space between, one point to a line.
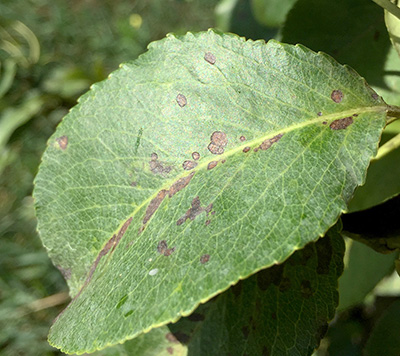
151 207
281 311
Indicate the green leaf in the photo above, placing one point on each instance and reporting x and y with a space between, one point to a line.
158 342
364 268
329 26
271 13
384 338
278 138
281 311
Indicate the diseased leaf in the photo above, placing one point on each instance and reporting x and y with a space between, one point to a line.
204 161
279 311
329 26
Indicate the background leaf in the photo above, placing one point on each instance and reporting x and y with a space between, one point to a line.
393 26
271 13
329 26
281 311
384 337
284 135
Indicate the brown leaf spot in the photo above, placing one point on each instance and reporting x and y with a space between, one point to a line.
170 350
212 164
154 156
375 96
62 142
204 259
242 138
214 149
306 290
192 212
153 205
223 161
196 156
162 247
324 122
188 165
355 115
246 149
337 96
196 317
171 338
341 124
210 58
207 222
169 251
319 113
269 142
179 185
181 100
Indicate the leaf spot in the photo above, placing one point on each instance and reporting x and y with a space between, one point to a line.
171 338
207 222
341 124
62 142
212 164
194 210
170 350
122 301
162 247
242 138
210 58
153 205
188 165
337 96
246 149
204 259
179 185
319 113
130 312
375 96
324 122
153 272
181 100
268 143
196 156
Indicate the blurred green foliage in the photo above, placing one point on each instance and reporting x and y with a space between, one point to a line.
50 53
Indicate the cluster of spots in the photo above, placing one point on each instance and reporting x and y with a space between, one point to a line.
180 184
189 165
306 290
181 100
194 210
163 249
268 143
157 167
62 142
204 259
337 96
341 124
218 143
210 58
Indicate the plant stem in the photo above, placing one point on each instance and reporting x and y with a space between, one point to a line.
393 113
388 147
389 6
